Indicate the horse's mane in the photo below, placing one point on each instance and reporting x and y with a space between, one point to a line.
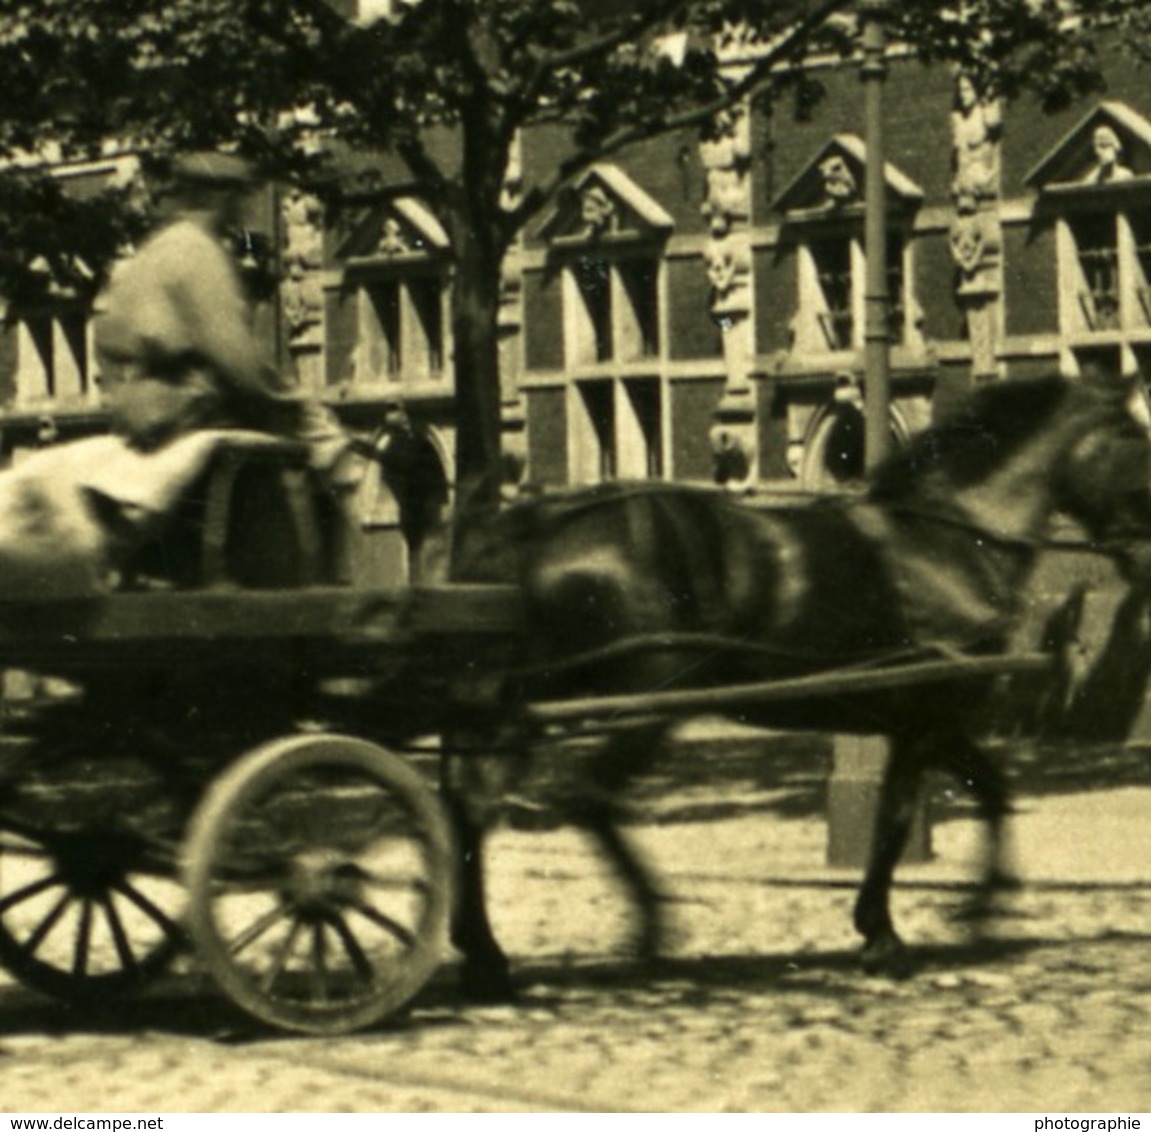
977 439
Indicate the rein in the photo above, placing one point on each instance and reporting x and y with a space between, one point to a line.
1018 543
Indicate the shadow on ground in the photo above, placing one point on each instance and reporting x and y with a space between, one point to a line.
559 984
785 775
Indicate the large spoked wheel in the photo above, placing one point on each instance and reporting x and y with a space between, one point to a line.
318 871
85 916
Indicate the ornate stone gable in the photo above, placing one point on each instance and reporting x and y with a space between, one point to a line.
605 203
832 182
400 229
1109 146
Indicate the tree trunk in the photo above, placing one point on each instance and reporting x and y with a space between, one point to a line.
475 331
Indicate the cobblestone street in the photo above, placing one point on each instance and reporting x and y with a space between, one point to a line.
762 1006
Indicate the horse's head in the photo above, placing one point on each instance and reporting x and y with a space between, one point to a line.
1104 481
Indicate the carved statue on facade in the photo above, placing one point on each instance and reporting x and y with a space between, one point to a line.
976 244
1108 151
976 133
301 294
729 272
725 153
393 239
839 184
597 210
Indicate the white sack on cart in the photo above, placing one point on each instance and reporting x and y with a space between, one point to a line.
67 513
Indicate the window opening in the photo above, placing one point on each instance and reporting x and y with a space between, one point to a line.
599 404
896 303
1141 234
386 353
645 403
640 279
832 260
593 279
426 300
1098 254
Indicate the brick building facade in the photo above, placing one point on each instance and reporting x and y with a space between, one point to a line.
696 305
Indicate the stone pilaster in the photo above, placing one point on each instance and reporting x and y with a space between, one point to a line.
726 156
976 232
301 292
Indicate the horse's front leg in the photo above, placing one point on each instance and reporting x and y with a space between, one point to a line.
486 974
883 950
967 761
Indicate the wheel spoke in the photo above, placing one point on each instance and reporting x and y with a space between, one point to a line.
281 959
28 891
82 948
23 848
32 944
119 935
254 930
320 961
395 884
356 953
385 921
149 908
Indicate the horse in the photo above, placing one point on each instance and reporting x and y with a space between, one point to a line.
929 561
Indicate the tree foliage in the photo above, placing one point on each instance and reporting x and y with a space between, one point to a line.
269 76
443 86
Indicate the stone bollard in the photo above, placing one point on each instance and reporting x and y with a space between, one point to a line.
852 799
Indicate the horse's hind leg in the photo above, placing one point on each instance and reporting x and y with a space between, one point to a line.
597 810
883 950
967 761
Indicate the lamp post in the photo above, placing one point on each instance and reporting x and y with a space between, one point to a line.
859 760
876 325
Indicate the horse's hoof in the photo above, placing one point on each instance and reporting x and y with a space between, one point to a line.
652 941
887 957
984 904
489 982
999 881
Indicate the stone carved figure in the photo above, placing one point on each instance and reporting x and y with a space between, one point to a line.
301 294
597 210
729 271
725 153
839 184
976 244
393 239
726 157
1108 150
976 133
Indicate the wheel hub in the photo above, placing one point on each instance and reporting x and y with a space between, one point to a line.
91 864
322 880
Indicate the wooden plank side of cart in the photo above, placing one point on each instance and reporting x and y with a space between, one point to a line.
70 633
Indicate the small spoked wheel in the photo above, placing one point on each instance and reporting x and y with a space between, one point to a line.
85 916
318 873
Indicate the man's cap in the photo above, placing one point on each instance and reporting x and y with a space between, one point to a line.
221 169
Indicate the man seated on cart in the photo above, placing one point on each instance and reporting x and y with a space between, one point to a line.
178 362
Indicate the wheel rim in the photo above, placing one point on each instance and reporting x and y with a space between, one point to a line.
318 874
84 916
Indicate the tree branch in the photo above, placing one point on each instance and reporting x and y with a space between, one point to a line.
759 74
601 45
423 166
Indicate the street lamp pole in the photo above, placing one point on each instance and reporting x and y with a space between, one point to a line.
876 326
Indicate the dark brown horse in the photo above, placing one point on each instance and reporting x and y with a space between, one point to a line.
929 562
